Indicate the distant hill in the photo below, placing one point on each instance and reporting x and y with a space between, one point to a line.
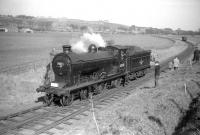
53 24
21 22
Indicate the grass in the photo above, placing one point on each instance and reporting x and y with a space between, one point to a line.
19 48
18 91
193 38
144 41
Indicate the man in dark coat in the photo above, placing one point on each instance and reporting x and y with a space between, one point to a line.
196 55
157 73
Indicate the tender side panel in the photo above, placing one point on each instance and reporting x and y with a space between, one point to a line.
138 62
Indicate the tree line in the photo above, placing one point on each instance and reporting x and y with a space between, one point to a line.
52 24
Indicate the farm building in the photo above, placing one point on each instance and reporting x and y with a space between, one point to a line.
2 29
26 30
139 30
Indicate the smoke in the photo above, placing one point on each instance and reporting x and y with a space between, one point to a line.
87 39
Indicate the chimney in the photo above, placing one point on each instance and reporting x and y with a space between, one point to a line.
66 49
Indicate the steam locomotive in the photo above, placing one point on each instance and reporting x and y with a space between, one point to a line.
101 68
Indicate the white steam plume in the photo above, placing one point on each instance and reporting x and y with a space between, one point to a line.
87 39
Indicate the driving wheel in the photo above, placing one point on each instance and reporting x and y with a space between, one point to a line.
67 100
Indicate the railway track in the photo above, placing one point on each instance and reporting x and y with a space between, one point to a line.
41 119
49 117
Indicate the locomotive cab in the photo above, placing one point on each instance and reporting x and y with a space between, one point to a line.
121 53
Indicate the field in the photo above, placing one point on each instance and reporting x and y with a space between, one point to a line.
20 48
193 38
18 91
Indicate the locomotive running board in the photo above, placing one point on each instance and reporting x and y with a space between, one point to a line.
61 91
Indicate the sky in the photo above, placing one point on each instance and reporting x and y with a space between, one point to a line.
184 14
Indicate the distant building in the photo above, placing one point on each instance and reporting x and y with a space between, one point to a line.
139 30
2 29
12 28
26 30
120 31
8 27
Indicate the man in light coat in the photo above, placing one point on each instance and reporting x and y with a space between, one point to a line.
176 63
196 55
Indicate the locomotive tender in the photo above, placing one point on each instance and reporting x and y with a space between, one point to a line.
79 75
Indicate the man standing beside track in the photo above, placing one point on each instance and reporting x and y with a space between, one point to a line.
157 73
170 65
196 55
49 75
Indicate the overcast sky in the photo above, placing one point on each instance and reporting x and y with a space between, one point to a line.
184 14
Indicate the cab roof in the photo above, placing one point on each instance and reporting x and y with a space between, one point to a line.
125 47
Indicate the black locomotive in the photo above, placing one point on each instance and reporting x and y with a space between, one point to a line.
79 75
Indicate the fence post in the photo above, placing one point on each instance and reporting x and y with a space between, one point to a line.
92 109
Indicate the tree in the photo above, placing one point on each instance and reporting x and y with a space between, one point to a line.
83 28
122 28
168 31
44 25
74 27
24 17
178 31
132 27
